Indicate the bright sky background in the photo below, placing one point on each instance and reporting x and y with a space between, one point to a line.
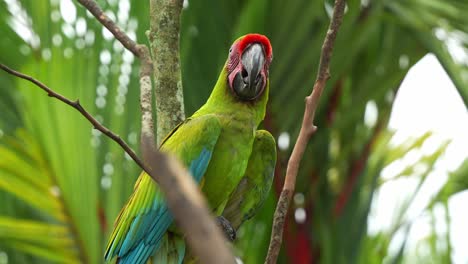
427 101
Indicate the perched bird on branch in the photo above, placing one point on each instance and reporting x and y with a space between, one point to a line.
232 161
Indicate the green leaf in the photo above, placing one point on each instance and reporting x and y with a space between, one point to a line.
49 241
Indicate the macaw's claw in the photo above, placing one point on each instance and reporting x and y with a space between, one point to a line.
227 228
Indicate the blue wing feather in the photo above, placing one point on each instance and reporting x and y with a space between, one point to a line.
134 241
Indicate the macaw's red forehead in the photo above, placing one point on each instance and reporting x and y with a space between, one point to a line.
255 38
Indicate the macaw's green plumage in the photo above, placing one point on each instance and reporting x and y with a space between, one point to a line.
231 160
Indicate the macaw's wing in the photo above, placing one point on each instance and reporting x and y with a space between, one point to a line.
145 218
253 188
171 250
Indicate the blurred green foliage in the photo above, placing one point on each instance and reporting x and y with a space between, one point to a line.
62 184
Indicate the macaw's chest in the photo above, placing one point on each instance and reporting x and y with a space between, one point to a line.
229 160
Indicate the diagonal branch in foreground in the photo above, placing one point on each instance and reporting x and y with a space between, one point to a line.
202 234
307 130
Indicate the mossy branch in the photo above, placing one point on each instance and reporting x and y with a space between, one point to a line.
164 43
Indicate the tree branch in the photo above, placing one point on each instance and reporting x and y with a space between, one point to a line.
76 104
126 41
307 130
141 52
147 123
183 196
164 42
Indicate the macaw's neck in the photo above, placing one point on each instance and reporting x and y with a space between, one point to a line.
223 101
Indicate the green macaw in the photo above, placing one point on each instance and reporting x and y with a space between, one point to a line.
232 161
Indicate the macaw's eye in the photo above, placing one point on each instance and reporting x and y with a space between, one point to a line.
248 83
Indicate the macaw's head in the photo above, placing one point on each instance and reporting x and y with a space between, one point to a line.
247 66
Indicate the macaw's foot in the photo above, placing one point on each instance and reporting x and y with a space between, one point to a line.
227 228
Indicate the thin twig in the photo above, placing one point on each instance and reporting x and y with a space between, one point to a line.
141 52
97 12
76 104
307 130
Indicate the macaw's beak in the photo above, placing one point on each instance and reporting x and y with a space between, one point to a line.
249 83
